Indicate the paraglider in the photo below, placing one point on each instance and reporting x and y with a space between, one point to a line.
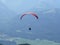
29 13
32 13
29 28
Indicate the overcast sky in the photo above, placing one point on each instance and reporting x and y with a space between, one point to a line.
24 5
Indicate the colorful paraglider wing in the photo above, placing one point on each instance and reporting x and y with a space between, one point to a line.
22 16
32 13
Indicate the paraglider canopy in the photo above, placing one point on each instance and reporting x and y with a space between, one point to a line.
32 13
